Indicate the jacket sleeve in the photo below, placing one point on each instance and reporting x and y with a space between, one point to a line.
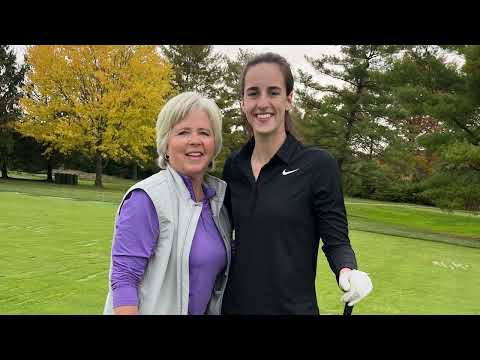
136 235
329 207
226 177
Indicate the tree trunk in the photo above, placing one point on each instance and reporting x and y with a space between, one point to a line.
134 171
4 168
49 171
99 170
346 142
370 155
340 164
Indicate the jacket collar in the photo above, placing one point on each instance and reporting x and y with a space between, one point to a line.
284 153
217 185
207 191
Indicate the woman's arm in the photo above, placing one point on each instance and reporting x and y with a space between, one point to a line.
126 310
135 239
331 214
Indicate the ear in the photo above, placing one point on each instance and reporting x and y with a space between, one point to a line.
289 102
290 99
242 107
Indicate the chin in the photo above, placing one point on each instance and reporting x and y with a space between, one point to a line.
195 171
263 131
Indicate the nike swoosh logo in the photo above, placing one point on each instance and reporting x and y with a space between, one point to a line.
285 172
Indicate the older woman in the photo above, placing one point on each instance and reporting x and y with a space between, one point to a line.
171 245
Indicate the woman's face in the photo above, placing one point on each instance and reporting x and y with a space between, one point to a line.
191 145
265 99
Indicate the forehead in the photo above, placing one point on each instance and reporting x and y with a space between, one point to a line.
264 75
195 118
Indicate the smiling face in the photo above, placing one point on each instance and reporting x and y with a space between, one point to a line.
191 145
265 100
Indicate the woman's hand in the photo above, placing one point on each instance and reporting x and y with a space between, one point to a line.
356 284
126 310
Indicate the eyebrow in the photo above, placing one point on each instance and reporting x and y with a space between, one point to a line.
189 128
269 88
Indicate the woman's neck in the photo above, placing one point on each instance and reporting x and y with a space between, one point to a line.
198 191
196 183
266 147
197 188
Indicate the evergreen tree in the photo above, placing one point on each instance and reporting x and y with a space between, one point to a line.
229 99
195 67
348 119
11 80
428 85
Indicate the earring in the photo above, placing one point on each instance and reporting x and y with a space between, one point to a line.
166 157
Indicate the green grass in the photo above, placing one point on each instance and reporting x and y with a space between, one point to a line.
413 221
54 254
56 240
85 190
409 276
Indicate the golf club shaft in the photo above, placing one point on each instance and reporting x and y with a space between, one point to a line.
347 310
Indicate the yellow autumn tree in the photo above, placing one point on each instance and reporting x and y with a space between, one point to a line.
100 100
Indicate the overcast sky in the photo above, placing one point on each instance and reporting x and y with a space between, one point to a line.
295 54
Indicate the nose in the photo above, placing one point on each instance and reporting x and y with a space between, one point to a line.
194 139
262 101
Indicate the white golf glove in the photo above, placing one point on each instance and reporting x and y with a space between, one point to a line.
356 285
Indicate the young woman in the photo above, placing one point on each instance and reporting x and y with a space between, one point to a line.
282 198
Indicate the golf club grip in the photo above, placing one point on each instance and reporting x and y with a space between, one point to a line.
347 310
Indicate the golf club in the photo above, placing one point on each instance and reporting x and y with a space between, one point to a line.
347 310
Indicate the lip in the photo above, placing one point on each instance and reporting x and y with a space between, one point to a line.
266 117
194 154
263 120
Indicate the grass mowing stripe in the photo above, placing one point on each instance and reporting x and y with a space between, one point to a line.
54 272
54 259
415 222
349 200
409 276
395 230
112 192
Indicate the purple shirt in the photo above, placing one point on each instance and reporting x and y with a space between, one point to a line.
136 236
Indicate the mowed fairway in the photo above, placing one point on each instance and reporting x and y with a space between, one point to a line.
410 276
54 255
410 253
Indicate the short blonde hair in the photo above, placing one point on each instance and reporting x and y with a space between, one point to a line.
175 110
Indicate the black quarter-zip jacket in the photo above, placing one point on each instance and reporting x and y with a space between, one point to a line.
278 222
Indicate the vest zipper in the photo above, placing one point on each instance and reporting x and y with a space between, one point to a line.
188 258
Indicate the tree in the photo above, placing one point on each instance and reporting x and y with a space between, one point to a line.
349 119
28 156
11 80
229 98
100 100
198 68
429 85
195 67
